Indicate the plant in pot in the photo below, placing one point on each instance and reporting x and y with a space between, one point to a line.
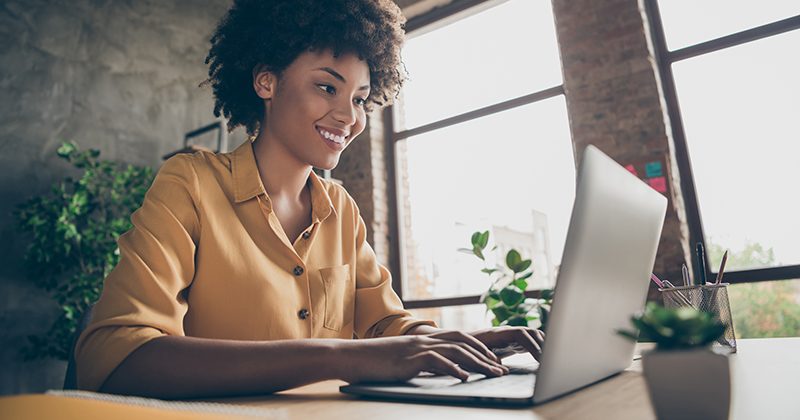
72 233
505 297
685 378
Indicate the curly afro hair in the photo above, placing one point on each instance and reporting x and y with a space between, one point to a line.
272 33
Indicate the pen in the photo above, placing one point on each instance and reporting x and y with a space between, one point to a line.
685 272
656 280
684 300
701 261
722 267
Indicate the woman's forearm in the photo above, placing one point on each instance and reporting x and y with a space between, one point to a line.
189 367
423 330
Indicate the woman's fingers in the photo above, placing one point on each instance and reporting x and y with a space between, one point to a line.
480 356
524 337
431 361
467 359
467 339
475 352
538 335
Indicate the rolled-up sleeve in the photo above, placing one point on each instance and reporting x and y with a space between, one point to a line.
143 297
378 310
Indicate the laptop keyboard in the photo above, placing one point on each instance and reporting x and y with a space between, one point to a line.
478 385
506 384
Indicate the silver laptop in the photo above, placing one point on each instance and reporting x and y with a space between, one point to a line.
605 271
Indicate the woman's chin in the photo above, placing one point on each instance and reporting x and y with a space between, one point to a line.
327 165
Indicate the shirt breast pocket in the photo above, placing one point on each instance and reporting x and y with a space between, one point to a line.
338 296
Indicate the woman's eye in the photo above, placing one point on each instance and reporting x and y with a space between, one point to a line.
360 101
328 89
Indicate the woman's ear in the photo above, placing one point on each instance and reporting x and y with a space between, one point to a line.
264 82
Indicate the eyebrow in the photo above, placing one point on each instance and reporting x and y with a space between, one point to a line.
339 77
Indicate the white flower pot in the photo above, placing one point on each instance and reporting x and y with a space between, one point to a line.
688 384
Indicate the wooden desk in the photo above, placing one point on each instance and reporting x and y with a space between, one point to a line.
765 372
766 375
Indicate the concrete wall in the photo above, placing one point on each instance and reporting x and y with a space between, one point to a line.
119 76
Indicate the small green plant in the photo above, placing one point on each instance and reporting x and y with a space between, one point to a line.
505 297
73 234
675 328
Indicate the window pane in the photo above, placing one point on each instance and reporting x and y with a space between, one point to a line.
501 53
766 309
740 111
465 317
512 173
689 22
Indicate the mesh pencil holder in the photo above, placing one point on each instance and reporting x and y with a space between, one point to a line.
708 298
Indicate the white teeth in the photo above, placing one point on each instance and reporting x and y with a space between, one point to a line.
330 136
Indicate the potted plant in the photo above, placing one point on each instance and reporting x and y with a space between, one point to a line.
685 378
505 297
73 234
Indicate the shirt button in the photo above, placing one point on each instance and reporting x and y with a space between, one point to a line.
306 235
302 314
298 271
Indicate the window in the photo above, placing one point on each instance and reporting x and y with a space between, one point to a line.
482 142
729 69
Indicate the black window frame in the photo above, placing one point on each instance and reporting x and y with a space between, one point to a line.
396 264
664 60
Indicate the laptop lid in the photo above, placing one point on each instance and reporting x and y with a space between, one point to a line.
604 275
605 270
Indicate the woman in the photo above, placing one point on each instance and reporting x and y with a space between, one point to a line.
244 272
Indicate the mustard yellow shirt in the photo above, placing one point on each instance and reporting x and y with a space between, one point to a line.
207 257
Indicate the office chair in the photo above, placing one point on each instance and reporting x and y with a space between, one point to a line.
71 378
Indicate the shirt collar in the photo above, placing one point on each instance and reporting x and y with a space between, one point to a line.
247 183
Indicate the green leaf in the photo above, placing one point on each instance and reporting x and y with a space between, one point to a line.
484 239
525 276
517 321
501 313
522 266
478 253
476 237
513 259
491 302
521 283
511 296
488 270
66 149
547 294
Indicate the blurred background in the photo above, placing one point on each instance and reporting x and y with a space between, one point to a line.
698 99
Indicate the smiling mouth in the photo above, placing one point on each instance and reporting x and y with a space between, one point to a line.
338 139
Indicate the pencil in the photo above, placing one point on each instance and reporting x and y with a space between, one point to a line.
722 267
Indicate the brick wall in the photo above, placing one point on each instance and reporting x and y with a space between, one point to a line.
614 101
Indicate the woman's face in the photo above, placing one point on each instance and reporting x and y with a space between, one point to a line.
315 108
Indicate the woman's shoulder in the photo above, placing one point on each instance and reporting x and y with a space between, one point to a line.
341 200
196 164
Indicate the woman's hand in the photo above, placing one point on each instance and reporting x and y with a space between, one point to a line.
505 341
402 358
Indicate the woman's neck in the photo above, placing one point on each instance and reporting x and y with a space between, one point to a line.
281 173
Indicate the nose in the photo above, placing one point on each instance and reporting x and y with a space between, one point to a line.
345 112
